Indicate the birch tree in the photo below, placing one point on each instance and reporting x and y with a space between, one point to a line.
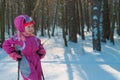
95 25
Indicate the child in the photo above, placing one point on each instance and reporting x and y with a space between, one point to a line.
30 46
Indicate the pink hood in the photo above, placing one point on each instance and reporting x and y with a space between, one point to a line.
19 22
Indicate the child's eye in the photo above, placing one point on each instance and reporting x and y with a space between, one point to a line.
28 26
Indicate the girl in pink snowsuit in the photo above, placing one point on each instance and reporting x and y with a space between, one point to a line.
29 45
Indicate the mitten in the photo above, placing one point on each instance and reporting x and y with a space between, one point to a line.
15 56
41 53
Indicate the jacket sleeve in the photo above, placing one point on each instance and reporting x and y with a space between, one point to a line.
8 46
41 50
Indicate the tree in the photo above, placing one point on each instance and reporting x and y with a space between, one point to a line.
42 21
48 19
81 20
106 21
95 25
113 18
55 17
70 4
118 18
63 22
2 21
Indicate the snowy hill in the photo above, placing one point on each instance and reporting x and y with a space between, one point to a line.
76 62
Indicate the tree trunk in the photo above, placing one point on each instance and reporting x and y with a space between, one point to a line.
118 29
2 21
106 21
29 6
71 20
95 25
48 19
113 18
77 19
55 17
82 20
63 22
42 23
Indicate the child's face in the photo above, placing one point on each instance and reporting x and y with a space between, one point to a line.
29 29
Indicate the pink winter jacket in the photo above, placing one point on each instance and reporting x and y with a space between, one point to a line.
31 46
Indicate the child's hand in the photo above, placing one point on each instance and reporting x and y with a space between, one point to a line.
15 56
41 56
41 53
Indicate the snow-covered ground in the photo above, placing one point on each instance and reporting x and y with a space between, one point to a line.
76 62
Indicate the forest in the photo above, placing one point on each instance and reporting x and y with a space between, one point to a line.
101 17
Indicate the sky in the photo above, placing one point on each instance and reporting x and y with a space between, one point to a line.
78 61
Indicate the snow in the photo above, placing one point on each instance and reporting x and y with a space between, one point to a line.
76 62
95 8
95 17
